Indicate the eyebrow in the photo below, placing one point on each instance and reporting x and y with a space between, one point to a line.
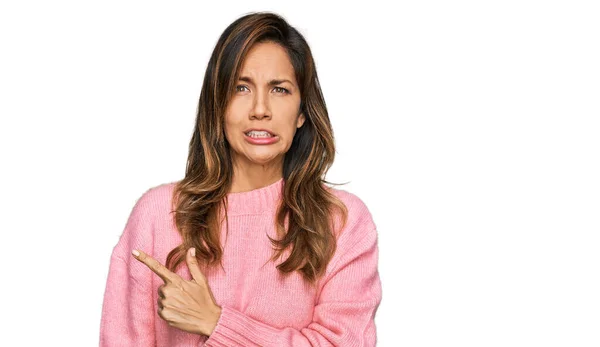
271 82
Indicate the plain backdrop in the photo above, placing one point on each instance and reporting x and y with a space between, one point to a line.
469 128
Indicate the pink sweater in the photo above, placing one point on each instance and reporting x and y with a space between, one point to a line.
259 307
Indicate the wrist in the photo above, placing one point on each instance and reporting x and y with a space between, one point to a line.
215 321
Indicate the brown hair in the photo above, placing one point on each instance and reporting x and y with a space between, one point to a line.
307 205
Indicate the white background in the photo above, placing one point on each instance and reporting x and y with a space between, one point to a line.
470 129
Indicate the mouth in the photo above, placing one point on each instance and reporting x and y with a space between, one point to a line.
259 134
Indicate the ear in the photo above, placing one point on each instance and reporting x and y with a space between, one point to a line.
300 121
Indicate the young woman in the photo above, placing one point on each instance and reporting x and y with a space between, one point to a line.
257 250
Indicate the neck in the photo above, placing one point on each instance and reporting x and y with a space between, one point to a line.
254 177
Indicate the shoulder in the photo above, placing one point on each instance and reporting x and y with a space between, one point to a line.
150 212
360 220
358 236
155 200
153 205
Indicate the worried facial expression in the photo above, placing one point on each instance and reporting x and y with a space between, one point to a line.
266 96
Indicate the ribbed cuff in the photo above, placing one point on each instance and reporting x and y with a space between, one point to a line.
236 329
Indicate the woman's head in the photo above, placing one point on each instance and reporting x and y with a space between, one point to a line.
266 97
261 75
252 52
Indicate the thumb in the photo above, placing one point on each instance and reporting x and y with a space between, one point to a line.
192 263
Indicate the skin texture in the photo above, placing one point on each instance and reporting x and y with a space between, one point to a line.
188 305
257 104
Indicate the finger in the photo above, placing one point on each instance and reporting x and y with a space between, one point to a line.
192 263
195 271
161 294
156 267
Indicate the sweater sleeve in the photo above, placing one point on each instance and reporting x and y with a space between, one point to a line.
343 316
127 310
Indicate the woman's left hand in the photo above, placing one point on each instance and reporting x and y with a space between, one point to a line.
186 305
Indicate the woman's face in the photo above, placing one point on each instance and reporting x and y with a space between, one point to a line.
266 97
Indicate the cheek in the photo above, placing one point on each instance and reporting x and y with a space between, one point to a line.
233 122
289 114
290 132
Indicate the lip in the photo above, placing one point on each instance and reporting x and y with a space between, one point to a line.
261 140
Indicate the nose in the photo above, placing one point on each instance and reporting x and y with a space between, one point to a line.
261 107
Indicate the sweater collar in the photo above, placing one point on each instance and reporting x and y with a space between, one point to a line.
256 201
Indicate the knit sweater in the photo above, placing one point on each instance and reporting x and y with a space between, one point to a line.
259 306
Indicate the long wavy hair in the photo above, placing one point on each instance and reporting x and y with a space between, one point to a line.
307 206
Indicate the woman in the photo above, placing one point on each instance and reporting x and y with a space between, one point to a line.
257 251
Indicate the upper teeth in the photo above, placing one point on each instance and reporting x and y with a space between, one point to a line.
259 134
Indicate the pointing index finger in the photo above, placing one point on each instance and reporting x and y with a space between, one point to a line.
165 274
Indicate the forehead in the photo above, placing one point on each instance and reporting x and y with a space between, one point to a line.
267 60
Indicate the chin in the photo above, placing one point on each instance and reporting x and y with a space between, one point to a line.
260 159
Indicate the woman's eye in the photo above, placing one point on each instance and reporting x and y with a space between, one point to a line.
240 88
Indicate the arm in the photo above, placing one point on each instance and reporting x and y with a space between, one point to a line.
127 310
344 314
